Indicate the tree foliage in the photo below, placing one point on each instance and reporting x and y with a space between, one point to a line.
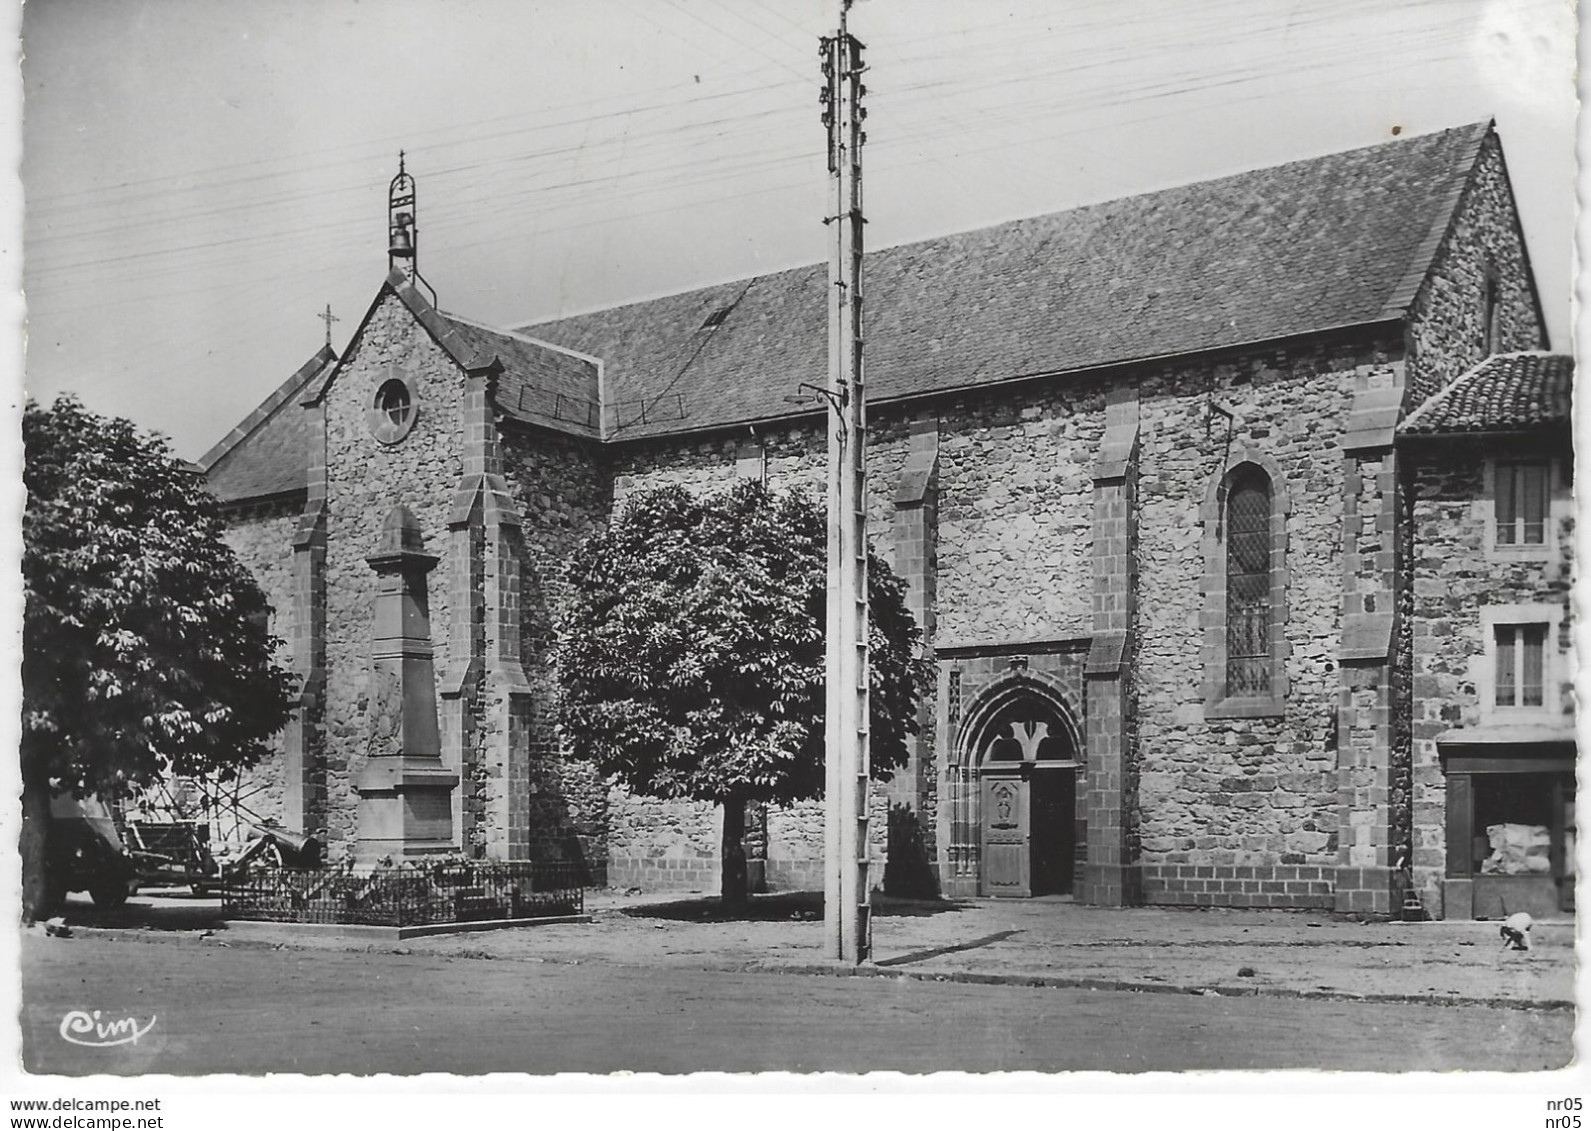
692 658
145 649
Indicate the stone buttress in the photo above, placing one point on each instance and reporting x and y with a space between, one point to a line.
1372 846
1110 871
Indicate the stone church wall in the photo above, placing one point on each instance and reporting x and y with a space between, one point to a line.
365 480
1015 511
562 490
1242 810
1226 806
1447 331
262 537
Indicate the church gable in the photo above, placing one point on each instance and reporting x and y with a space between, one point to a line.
393 405
1475 294
392 416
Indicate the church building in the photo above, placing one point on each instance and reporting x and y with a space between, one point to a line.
1237 517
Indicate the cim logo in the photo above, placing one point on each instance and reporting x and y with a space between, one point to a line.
86 1029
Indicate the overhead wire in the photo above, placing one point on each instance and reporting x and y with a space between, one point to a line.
618 170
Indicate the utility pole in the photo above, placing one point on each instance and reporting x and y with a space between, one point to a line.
847 925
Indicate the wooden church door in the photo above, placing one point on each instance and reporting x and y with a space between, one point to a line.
1027 780
1007 856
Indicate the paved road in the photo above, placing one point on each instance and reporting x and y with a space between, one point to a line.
251 1010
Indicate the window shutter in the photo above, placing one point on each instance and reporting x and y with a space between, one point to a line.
1505 665
1532 478
1504 493
1533 643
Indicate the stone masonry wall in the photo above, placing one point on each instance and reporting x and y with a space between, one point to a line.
1232 811
1452 579
1446 329
1242 811
262 538
1015 505
562 489
365 480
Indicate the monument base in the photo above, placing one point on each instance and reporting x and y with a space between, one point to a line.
405 809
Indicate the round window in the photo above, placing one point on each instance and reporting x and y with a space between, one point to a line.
393 413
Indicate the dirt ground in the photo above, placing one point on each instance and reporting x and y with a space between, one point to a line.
205 1007
1231 952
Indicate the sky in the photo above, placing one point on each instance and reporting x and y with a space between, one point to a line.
202 179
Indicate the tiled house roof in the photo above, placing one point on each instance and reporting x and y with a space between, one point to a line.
1508 392
1331 241
264 455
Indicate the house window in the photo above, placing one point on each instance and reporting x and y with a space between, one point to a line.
1523 665
1520 491
1521 655
1248 584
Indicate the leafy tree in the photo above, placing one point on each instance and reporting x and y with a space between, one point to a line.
692 659
144 644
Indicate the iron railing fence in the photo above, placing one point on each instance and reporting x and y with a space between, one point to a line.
411 894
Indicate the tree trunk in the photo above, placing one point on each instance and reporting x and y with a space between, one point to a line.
35 840
732 881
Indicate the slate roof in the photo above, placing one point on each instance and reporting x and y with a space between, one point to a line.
539 383
265 454
1508 392
1332 241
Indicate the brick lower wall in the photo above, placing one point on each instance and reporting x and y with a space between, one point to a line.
801 875
1230 885
700 873
663 873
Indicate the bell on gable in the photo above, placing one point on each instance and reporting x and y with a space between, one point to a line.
402 236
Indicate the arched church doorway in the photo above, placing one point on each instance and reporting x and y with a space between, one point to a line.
1027 766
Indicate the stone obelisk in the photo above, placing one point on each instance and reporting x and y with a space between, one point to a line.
405 792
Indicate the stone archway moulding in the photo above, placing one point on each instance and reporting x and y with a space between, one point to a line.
1241 453
1004 691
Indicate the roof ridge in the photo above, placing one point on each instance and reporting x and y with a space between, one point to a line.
426 313
521 337
267 408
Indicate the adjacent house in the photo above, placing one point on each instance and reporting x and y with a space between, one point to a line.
1487 567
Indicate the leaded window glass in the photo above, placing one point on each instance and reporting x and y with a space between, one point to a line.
1248 584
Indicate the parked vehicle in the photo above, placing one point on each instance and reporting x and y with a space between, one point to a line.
86 852
173 852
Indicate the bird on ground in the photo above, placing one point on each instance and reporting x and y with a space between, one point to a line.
1515 931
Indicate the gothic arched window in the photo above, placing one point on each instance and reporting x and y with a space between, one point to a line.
1245 589
1248 583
